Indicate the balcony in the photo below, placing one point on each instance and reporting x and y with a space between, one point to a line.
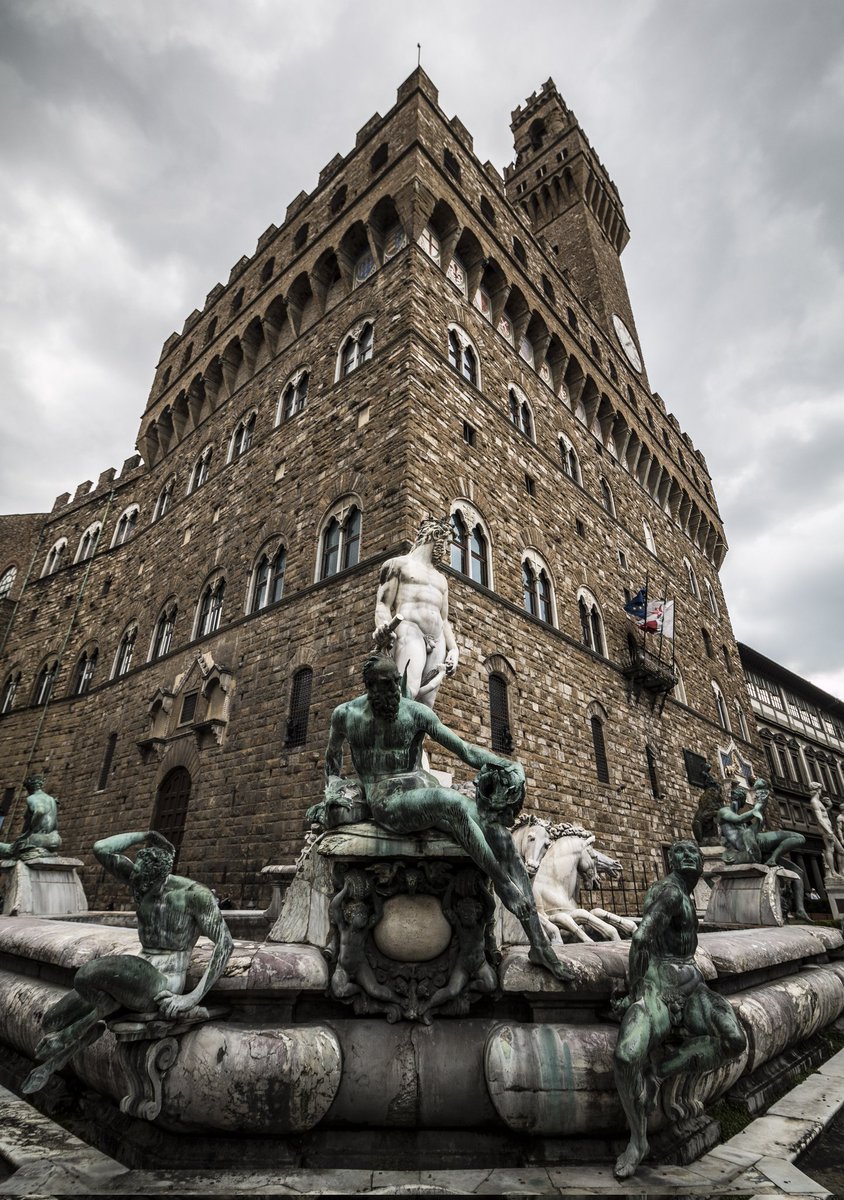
650 675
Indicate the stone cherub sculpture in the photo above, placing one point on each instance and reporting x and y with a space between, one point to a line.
746 841
833 848
355 910
411 613
668 996
172 913
468 909
40 836
385 731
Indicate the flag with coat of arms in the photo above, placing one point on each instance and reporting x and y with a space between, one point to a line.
652 616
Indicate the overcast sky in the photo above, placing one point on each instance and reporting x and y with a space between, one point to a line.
145 145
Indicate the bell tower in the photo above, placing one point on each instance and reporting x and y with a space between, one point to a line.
561 185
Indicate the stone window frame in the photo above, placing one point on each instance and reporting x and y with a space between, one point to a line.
539 567
11 687
457 362
587 603
678 693
7 580
168 612
88 542
712 600
428 241
122 663
293 385
269 552
570 453
125 526
200 470
243 436
598 719
45 680
208 621
83 671
342 511
607 497
53 561
473 519
694 587
650 542
164 499
721 709
518 405
744 731
364 348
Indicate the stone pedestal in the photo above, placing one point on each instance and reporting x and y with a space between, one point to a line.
42 887
712 860
280 878
835 895
747 894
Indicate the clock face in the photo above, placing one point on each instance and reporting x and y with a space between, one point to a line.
625 340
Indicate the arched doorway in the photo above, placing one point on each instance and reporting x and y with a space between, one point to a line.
171 806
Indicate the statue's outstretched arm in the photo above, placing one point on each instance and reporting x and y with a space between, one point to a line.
475 756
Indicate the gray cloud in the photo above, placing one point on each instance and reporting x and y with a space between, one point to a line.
147 145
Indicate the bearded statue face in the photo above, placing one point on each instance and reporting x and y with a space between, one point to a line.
383 687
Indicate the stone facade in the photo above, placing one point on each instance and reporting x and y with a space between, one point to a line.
801 729
406 240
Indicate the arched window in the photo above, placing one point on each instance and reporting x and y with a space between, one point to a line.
470 548
653 777
201 467
84 672
478 556
430 243
211 607
607 497
171 807
125 527
679 692
300 704
356 349
54 558
459 544
602 769
294 396
649 537
268 582
721 708
690 572
537 593
591 622
163 635
519 412
710 596
707 643
88 542
10 691
44 681
242 437
570 461
163 502
7 580
728 662
123 659
499 715
340 541
462 356
742 723
364 267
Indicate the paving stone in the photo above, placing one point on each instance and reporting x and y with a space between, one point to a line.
788 1178
730 1154
521 1182
783 1137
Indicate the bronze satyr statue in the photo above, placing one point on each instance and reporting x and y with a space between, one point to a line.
385 731
40 836
668 996
172 913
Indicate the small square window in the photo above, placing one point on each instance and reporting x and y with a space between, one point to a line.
530 485
188 708
579 527
468 433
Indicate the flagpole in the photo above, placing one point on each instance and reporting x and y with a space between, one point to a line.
645 620
662 623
